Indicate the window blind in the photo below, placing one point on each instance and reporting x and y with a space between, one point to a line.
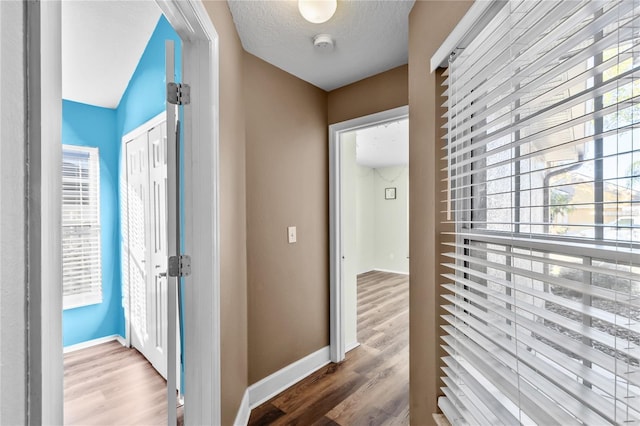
81 243
541 292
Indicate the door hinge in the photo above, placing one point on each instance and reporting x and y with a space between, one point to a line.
179 266
178 93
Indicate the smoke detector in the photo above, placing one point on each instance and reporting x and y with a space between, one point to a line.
323 42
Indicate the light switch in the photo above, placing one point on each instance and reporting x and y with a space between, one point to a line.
291 232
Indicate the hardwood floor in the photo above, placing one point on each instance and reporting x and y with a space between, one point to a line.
371 387
109 384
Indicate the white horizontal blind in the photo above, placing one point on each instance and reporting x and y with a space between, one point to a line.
81 242
542 297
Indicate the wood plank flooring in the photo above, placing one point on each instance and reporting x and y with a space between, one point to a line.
371 387
109 384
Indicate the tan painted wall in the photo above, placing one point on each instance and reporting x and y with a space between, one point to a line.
380 92
286 168
287 185
429 24
232 214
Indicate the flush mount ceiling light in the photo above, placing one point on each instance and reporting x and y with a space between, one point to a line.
317 11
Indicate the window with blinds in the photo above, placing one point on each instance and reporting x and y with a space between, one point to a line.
81 245
542 293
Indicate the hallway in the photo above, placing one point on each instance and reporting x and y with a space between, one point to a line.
372 385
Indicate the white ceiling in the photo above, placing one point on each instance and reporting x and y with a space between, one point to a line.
370 37
384 145
102 42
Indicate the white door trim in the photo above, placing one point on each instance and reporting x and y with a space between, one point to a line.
336 285
201 129
200 59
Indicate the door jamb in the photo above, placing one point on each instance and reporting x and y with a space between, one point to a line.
201 69
336 255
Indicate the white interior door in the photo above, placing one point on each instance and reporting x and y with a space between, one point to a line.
157 296
147 205
138 234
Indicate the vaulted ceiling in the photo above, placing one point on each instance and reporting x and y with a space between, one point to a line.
102 42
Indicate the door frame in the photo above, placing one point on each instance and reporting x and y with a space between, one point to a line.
336 252
201 133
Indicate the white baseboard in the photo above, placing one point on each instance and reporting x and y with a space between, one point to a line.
94 342
242 418
282 379
351 346
391 271
121 340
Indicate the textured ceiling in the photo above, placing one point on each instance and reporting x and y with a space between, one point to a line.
102 42
370 37
384 145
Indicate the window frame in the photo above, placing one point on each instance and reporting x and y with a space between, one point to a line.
91 227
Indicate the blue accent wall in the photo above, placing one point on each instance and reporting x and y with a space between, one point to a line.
86 125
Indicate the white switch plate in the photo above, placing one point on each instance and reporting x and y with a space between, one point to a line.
291 233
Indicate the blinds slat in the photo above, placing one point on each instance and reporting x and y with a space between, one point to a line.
579 349
476 114
534 50
585 404
477 412
493 66
518 391
452 411
597 251
555 261
480 137
497 331
473 413
568 284
616 343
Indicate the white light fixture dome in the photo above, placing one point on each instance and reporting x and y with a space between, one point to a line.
317 11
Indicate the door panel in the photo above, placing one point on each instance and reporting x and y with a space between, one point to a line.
158 243
147 216
137 201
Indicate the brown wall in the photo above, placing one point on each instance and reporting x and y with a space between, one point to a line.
430 22
381 92
287 185
233 277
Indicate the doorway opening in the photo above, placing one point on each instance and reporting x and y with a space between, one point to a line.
357 225
369 242
200 129
115 231
374 192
